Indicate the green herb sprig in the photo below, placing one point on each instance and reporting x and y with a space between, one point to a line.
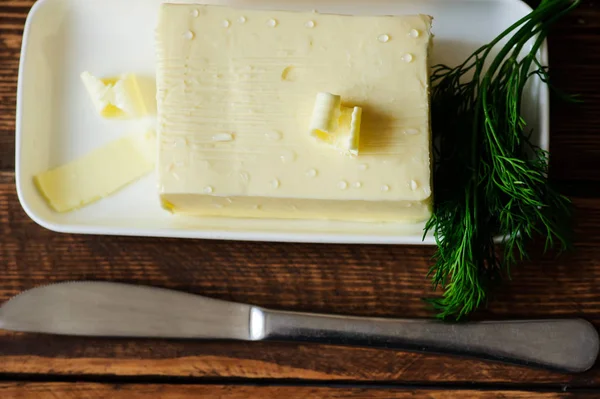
490 179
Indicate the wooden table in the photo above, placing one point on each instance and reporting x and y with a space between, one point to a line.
369 280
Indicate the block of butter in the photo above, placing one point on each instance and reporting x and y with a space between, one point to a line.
236 92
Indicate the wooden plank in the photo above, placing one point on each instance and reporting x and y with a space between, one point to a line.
134 391
369 280
575 143
12 20
573 49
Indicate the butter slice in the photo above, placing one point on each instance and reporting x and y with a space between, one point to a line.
116 97
99 173
236 93
335 124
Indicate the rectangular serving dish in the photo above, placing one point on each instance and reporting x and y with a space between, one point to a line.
55 123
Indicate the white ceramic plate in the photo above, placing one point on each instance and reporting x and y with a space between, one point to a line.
55 122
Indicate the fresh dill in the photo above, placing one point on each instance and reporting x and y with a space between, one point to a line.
490 179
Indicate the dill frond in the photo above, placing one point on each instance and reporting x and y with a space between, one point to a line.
490 179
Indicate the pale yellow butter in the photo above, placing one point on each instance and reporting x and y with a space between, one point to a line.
99 173
116 97
335 125
236 93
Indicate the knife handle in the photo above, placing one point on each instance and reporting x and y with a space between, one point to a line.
566 345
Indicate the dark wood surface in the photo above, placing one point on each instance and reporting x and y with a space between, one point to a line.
132 391
368 280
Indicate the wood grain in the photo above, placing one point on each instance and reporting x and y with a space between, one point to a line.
367 280
105 391
12 20
574 56
574 47
370 280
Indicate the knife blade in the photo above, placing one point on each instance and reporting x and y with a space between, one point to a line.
122 310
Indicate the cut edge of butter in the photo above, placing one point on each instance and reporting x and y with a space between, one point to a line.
336 125
99 173
119 97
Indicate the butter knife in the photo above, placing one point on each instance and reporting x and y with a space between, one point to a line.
121 310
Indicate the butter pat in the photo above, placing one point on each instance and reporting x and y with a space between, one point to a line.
99 173
236 94
336 125
116 97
